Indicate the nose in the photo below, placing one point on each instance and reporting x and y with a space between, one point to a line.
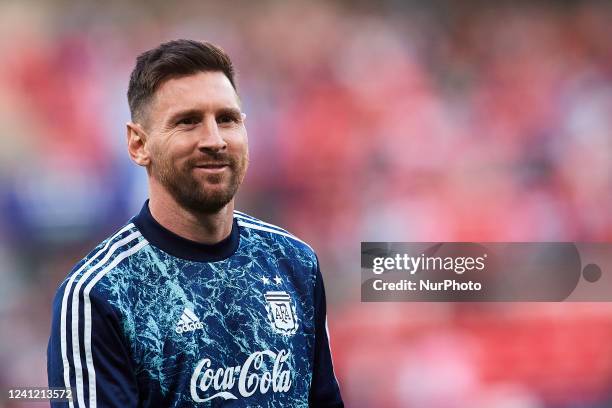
210 138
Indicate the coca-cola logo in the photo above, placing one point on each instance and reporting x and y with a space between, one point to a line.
252 377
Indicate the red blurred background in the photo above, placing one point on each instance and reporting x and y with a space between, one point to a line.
368 121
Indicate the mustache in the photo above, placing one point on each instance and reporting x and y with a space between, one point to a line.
212 158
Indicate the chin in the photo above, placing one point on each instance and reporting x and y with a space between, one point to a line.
214 198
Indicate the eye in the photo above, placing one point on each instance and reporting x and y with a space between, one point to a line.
228 118
188 121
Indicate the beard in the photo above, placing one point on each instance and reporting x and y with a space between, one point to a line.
204 196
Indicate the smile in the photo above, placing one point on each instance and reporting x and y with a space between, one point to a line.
212 167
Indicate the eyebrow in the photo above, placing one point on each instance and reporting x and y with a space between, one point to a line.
196 112
183 114
229 111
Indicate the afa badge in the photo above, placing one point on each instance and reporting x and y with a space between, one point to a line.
281 312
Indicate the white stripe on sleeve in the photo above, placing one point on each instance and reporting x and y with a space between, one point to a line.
67 289
76 348
91 372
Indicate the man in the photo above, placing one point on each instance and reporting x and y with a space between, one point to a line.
192 303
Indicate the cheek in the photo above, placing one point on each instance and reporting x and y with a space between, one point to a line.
169 153
239 143
158 155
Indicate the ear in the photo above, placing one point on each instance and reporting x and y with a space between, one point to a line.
137 144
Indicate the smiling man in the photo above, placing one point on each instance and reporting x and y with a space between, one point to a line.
192 303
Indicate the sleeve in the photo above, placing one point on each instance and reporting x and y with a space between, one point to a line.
324 389
88 352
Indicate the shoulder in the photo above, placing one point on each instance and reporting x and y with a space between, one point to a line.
106 257
273 234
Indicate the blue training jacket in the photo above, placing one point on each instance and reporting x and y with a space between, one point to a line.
150 319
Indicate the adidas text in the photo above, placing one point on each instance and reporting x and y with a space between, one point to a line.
183 328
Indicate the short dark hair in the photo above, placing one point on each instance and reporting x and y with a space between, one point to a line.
170 60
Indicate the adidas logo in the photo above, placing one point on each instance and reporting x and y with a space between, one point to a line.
188 322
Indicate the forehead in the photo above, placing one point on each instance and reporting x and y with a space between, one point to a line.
207 91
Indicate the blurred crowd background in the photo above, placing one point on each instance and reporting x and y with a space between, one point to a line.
368 121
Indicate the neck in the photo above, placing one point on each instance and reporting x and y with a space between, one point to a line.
199 227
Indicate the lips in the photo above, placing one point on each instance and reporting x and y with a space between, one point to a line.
212 168
212 165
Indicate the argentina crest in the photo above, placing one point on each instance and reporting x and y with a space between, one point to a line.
281 312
